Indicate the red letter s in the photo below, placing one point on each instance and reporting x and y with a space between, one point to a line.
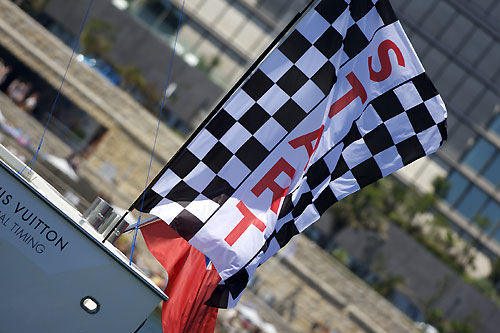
385 61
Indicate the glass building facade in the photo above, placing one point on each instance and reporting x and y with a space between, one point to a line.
458 42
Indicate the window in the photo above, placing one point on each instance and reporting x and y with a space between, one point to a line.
170 21
439 17
479 155
434 61
150 11
419 44
489 64
472 202
281 11
453 124
496 236
457 145
495 126
492 212
400 4
484 5
495 11
492 172
451 74
417 8
475 46
466 94
482 112
160 15
456 32
458 184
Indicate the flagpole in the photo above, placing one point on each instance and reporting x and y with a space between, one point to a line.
143 223
224 100
250 70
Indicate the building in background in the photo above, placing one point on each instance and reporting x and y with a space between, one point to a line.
116 163
459 45
191 93
114 133
458 42
220 36
218 40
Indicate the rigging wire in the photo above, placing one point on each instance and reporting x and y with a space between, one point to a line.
31 163
156 134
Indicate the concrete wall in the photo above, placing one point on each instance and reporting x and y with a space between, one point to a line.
308 286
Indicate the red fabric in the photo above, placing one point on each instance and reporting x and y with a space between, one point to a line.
190 284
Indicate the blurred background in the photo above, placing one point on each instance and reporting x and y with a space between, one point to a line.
418 251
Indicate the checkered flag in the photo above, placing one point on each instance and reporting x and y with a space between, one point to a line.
341 102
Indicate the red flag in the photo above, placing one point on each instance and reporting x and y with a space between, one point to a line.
191 280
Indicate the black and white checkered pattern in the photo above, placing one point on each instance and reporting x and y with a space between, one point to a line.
395 129
273 101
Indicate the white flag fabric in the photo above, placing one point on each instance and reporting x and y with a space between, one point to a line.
342 102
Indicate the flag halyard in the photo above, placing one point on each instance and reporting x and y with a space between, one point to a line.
342 102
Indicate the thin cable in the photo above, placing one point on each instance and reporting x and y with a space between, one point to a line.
75 44
156 134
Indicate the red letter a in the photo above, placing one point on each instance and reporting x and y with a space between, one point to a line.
306 141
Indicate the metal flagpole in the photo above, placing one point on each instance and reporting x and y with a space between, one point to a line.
250 70
144 223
